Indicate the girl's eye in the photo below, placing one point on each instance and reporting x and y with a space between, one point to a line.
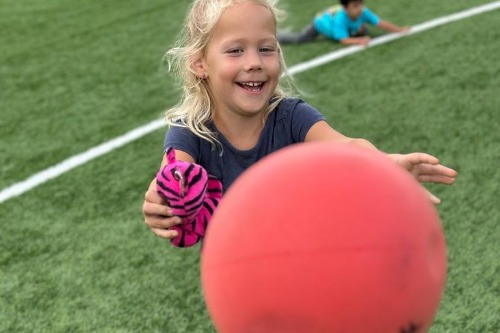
235 51
266 49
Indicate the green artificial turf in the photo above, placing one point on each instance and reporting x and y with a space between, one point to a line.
75 255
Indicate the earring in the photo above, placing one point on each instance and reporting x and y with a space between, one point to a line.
203 76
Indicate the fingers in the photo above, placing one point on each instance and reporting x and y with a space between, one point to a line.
436 169
161 226
165 233
435 173
426 168
435 200
438 179
157 215
419 158
152 196
161 222
151 209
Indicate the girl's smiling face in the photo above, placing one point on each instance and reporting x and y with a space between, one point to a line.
242 60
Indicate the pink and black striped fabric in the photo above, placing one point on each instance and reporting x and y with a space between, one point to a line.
192 195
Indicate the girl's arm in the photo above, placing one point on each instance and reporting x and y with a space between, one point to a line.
321 131
157 215
424 167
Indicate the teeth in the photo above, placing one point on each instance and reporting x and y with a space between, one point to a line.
252 84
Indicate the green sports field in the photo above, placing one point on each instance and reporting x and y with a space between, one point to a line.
75 255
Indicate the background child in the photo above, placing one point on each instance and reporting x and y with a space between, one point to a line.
233 110
345 24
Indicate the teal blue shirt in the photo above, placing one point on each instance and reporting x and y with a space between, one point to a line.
338 25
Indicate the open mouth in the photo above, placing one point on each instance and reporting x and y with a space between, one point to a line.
251 86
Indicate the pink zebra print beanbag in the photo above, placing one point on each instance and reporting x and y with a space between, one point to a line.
192 195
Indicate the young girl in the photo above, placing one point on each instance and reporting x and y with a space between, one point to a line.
233 111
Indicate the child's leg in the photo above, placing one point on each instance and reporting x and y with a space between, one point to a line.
306 35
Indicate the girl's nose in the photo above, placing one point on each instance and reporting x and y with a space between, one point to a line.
253 61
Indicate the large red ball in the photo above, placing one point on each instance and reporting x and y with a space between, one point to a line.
323 237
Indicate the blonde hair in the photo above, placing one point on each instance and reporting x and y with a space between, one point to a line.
195 109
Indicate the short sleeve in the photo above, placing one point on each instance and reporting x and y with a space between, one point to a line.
340 28
340 31
181 138
304 117
370 17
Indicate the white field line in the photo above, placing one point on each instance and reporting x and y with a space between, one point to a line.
43 176
77 160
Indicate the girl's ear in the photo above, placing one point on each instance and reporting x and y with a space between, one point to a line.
199 68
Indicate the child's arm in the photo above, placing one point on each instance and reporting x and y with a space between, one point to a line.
388 26
363 41
424 167
321 131
157 216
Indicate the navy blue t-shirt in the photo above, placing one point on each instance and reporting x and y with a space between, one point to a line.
287 124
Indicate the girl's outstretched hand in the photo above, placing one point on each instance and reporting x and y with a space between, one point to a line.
158 216
426 168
